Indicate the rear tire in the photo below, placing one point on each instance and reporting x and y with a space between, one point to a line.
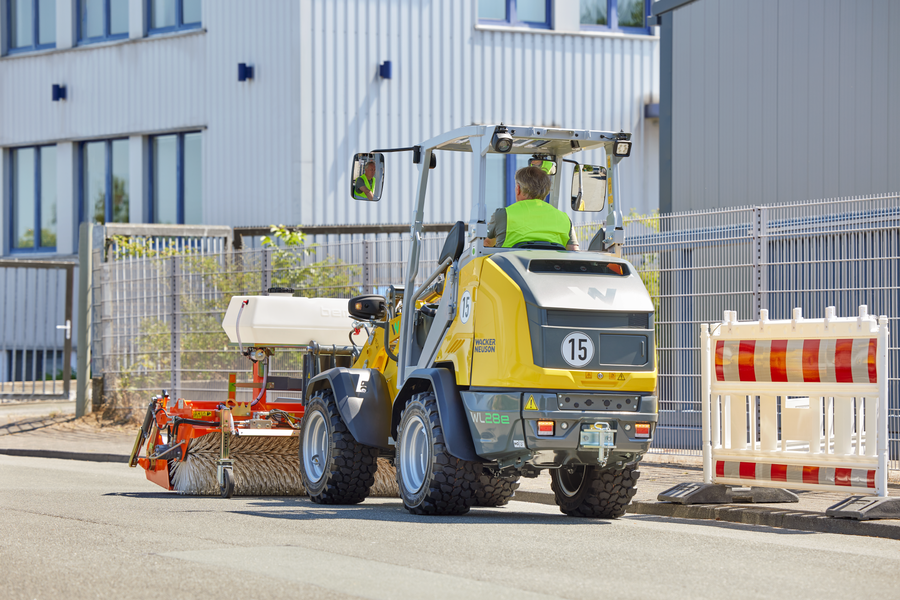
495 490
431 481
335 468
594 492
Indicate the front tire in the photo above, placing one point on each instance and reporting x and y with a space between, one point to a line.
431 481
594 492
335 468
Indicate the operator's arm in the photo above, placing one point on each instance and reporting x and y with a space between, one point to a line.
496 230
572 244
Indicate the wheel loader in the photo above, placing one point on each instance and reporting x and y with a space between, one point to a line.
500 362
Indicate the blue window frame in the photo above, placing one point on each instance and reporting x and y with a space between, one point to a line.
627 16
31 25
164 16
176 191
32 225
102 20
517 13
103 181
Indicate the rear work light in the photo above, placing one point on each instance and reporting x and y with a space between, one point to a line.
642 430
545 427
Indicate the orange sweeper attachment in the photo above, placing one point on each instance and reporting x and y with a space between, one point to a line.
251 448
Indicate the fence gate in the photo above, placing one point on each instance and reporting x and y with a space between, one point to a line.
36 329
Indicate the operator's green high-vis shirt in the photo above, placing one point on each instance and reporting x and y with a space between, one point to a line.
531 220
363 181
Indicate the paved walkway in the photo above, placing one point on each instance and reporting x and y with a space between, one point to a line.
41 430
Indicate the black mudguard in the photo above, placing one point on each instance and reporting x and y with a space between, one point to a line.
457 435
363 400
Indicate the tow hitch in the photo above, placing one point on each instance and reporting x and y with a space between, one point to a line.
601 436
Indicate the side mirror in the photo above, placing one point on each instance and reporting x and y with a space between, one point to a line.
546 164
589 188
367 177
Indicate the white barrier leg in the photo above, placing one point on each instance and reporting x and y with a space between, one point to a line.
705 358
738 423
881 366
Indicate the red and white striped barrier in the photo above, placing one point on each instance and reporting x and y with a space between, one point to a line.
829 379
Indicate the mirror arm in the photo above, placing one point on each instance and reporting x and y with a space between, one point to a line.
615 231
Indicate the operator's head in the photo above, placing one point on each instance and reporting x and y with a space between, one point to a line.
370 169
533 182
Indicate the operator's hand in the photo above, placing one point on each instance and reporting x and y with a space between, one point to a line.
489 242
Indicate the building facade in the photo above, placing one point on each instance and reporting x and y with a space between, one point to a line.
768 101
227 112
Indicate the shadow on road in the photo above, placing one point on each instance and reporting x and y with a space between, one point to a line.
33 423
391 510
719 524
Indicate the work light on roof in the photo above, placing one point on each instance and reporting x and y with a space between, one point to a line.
502 141
622 148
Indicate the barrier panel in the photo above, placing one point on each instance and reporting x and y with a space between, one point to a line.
825 378
798 404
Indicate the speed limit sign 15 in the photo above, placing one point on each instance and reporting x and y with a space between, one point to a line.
577 349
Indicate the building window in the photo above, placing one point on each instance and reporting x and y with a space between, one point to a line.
627 16
104 182
32 24
176 188
33 195
173 15
518 13
102 20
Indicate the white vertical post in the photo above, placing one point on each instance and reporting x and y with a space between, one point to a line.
843 425
768 423
705 357
881 365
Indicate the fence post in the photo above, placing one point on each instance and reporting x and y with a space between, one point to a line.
175 324
85 289
760 250
266 271
368 259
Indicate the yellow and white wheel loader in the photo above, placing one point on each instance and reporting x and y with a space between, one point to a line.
503 362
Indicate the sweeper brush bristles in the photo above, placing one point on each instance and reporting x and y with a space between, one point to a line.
263 466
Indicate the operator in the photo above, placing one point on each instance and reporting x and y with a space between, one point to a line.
530 218
545 165
364 189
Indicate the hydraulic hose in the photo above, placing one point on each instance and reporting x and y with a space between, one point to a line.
265 378
237 325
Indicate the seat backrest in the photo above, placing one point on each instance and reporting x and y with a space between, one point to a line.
455 242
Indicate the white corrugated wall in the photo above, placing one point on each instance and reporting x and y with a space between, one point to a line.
447 73
277 149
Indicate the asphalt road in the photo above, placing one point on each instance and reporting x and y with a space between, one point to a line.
71 529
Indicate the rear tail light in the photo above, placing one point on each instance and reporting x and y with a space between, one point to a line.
545 427
642 430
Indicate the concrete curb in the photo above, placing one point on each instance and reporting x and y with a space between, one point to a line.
85 456
771 517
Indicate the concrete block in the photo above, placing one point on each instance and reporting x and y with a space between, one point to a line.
864 508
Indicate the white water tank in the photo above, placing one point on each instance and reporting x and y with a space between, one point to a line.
287 321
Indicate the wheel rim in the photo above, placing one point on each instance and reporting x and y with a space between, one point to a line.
570 483
315 446
414 454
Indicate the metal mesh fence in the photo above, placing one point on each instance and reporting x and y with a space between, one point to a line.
157 319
